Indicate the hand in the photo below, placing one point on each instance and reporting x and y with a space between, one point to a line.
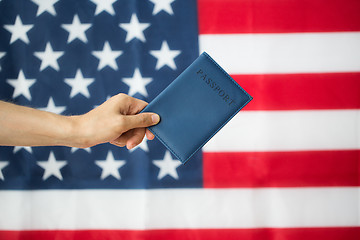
117 121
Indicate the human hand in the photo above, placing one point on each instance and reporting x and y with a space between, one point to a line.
117 121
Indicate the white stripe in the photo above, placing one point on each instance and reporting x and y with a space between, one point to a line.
179 208
284 53
289 131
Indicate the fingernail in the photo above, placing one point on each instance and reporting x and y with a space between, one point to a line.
155 118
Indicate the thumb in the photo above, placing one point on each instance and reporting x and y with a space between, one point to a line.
140 120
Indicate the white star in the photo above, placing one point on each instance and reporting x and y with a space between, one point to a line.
49 57
2 54
143 146
52 167
21 85
165 56
18 30
104 5
2 165
52 108
167 166
76 29
134 29
110 166
107 57
18 148
162 5
74 149
137 83
79 84
45 6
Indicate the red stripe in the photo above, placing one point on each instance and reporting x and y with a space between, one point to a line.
348 233
277 16
302 91
281 169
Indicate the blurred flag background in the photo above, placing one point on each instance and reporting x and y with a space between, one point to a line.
286 167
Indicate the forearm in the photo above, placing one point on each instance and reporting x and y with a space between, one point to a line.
23 126
117 121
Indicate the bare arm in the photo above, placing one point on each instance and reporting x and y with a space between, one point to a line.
116 121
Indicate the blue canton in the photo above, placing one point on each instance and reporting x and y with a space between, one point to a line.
68 57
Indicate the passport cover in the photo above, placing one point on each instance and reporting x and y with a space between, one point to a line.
195 106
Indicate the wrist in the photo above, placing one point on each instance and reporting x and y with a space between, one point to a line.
75 135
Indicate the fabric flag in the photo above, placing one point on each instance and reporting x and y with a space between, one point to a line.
286 167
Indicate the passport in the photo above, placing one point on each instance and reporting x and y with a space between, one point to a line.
195 106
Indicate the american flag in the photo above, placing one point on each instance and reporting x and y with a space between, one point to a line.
286 167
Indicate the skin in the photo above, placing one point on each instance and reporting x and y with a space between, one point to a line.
117 121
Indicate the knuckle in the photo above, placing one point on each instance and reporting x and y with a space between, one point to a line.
123 98
121 95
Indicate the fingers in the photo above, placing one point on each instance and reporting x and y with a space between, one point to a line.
132 124
136 138
117 144
123 138
130 139
129 105
149 135
140 120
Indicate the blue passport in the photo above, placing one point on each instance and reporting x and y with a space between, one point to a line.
195 106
